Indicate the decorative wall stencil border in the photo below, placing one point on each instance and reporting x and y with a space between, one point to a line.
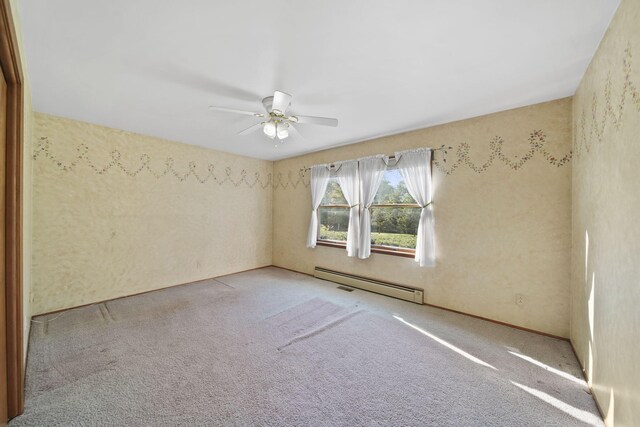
293 180
610 113
537 141
43 148
302 179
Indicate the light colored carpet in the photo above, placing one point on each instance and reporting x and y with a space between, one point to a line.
272 347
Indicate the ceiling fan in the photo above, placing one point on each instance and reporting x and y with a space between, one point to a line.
277 123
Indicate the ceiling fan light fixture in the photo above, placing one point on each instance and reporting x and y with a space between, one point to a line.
282 130
270 129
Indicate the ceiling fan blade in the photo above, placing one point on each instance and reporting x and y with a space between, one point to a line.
251 129
295 132
323 121
281 101
231 110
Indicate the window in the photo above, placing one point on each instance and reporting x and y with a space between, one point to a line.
334 214
394 216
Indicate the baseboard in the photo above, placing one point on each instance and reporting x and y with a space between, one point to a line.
145 292
546 334
586 379
499 322
231 274
291 270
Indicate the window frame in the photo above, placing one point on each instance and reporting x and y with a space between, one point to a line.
379 249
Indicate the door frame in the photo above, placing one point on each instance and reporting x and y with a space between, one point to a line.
13 73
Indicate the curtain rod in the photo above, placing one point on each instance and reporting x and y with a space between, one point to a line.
305 169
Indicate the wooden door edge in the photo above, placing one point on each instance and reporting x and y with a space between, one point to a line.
12 69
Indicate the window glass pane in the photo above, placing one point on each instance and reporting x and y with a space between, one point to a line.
390 225
394 226
333 195
334 223
392 189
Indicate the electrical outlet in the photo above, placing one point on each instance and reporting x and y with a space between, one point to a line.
519 299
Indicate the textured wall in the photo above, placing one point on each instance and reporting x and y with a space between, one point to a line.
502 212
606 234
117 213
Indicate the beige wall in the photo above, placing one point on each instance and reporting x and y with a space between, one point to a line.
605 326
502 210
117 213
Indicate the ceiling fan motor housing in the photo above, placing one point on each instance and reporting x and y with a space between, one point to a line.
268 103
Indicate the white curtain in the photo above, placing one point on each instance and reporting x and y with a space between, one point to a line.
415 167
319 181
347 175
371 170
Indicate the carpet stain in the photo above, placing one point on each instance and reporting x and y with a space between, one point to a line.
76 367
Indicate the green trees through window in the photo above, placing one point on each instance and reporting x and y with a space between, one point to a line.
394 214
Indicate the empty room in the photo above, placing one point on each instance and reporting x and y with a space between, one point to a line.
410 213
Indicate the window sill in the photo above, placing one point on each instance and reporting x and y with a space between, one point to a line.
385 250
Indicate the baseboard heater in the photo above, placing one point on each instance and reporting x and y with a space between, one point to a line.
377 286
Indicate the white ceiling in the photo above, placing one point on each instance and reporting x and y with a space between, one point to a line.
380 67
